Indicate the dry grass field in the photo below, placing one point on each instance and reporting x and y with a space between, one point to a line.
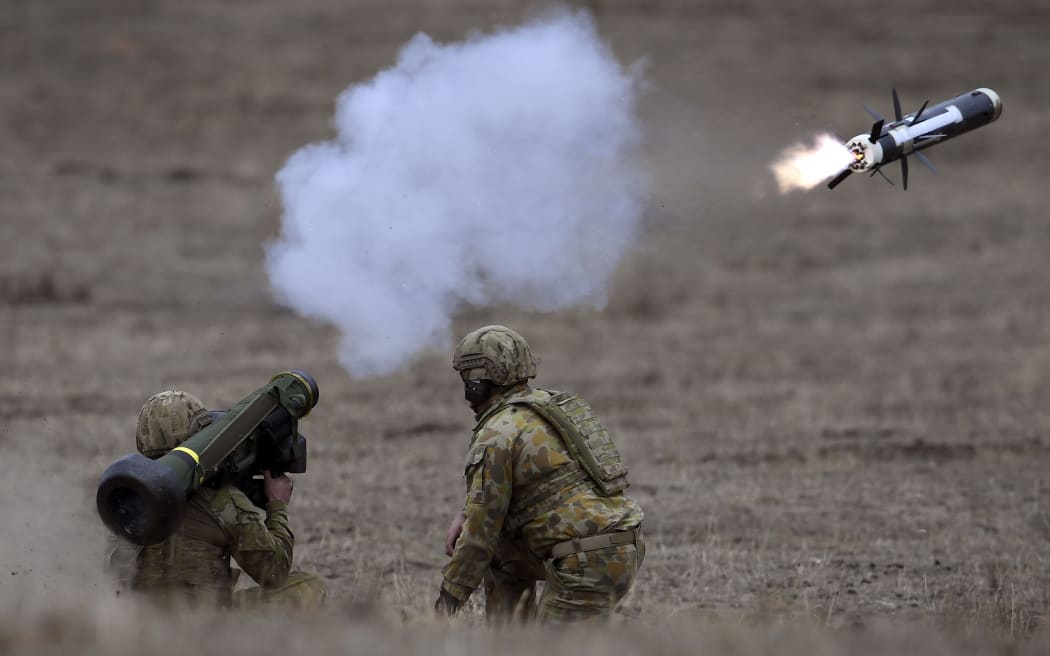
836 405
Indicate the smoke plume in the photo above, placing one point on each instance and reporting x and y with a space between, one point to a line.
801 167
502 169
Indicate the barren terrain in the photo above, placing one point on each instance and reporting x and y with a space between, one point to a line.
836 405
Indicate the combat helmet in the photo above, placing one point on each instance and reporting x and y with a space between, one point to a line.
494 353
167 419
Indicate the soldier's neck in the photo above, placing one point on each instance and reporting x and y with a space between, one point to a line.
498 397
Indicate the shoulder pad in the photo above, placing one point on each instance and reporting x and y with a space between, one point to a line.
529 397
500 424
492 418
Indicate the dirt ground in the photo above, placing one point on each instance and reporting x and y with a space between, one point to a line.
836 405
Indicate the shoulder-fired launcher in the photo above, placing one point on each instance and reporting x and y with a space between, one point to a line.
143 500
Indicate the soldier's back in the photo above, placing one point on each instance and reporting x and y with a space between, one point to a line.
554 499
192 565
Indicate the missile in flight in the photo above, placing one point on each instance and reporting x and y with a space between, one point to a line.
911 133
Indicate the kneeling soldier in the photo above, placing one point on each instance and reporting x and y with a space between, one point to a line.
545 498
193 565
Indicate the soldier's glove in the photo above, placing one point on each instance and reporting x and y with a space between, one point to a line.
446 604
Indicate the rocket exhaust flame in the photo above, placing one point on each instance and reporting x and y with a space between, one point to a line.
802 167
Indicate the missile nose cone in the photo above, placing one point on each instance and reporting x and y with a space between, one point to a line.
997 102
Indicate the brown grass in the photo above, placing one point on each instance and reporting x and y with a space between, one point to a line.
835 404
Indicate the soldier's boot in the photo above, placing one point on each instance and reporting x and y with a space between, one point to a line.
302 590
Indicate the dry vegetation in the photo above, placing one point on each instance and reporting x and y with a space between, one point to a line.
836 405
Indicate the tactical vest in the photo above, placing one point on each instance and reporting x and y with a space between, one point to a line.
584 436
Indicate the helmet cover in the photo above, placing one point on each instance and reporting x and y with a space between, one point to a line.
166 420
494 353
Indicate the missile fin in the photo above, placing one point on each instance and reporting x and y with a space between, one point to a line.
896 105
915 119
925 160
884 176
839 178
875 115
876 131
904 172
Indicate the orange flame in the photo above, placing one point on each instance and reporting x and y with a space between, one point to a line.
801 167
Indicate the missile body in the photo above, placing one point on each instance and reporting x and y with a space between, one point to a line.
914 132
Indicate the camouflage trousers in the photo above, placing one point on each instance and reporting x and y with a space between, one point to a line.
302 591
574 589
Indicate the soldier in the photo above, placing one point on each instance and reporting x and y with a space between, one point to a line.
545 497
194 563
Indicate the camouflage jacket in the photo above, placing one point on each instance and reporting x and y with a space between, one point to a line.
194 563
522 484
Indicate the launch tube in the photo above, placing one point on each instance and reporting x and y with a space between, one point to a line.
143 500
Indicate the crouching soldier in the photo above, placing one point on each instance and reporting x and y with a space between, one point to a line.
193 564
545 498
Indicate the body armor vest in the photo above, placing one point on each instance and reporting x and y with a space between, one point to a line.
585 438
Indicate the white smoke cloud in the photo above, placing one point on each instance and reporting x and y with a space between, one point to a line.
502 169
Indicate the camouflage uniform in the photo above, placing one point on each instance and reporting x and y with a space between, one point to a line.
527 495
193 564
